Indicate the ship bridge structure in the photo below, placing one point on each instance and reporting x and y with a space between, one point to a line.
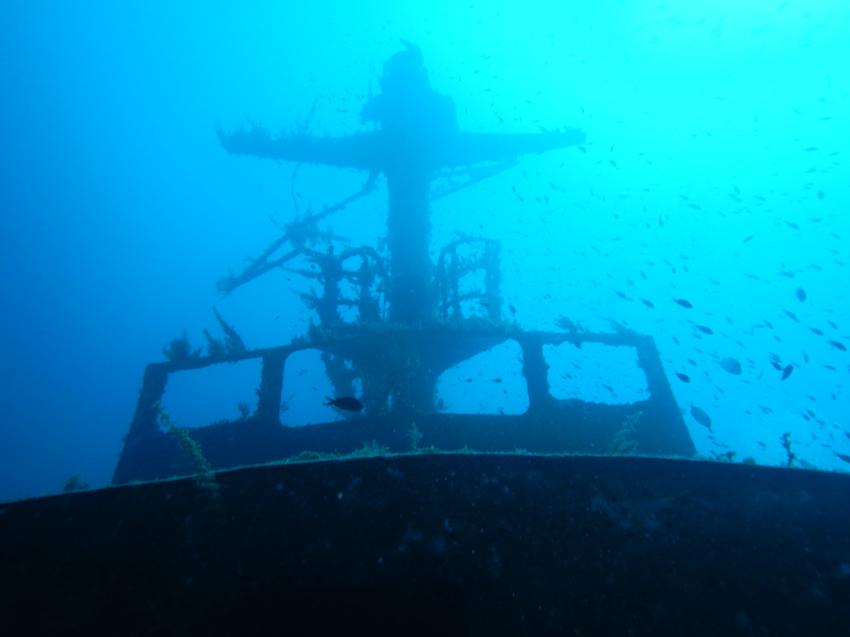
413 320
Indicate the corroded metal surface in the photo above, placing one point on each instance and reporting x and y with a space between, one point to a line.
439 544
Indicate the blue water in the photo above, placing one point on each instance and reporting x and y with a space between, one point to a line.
715 171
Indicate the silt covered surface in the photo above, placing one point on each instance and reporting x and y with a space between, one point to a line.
439 544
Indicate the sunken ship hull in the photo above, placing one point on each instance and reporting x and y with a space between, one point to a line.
450 544
397 538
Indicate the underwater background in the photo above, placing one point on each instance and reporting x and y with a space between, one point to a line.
714 176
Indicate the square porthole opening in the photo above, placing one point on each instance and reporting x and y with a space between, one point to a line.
595 373
491 382
219 393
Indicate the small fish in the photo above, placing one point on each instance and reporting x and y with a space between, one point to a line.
346 403
792 316
684 303
731 365
838 345
843 457
701 417
801 294
683 377
648 303
787 371
704 329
